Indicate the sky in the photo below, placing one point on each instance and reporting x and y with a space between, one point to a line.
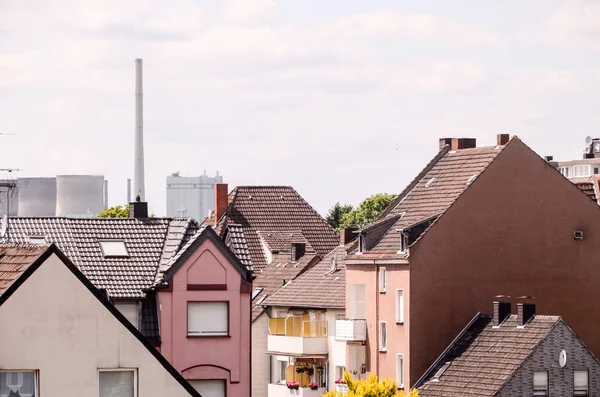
340 99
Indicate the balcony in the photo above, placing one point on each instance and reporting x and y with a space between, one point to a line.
297 336
283 391
351 330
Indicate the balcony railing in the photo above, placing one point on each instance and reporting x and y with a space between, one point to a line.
297 326
351 330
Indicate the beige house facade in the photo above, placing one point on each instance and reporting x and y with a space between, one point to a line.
61 337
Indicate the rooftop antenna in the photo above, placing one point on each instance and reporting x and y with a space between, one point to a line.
138 172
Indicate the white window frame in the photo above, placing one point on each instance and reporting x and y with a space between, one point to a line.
539 391
135 377
35 377
400 370
565 171
37 240
581 391
282 365
382 280
194 333
399 306
110 253
383 336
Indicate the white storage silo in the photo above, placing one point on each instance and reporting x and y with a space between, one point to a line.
79 196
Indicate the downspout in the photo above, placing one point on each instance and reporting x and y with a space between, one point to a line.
377 320
250 307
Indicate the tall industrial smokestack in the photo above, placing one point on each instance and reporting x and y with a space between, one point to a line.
138 176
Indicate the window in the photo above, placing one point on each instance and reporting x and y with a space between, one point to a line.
580 381
357 301
399 306
339 371
382 336
113 248
37 239
117 383
596 170
581 170
130 310
209 387
566 171
282 369
14 383
208 318
333 267
382 279
400 370
403 242
256 292
540 383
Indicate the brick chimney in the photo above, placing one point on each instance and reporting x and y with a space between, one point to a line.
502 309
502 139
138 209
347 235
525 311
298 250
458 143
221 200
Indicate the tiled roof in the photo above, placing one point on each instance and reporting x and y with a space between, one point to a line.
587 188
277 241
271 209
150 328
15 259
440 185
319 287
149 242
484 358
236 241
276 274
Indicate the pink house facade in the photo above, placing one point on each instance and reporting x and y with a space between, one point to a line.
204 316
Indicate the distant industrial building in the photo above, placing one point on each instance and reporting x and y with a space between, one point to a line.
75 196
585 167
191 197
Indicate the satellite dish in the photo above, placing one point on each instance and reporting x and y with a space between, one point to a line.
562 358
587 149
4 225
588 140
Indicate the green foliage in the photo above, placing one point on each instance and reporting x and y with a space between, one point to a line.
368 210
371 387
334 216
118 211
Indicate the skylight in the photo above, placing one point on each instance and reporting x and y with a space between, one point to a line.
430 182
256 292
471 179
114 248
37 239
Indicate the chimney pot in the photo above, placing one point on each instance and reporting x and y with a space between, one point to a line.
503 139
348 235
502 310
549 158
525 312
298 250
221 200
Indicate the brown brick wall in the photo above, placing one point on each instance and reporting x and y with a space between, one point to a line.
510 233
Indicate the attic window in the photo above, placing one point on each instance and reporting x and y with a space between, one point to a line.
333 264
37 239
114 248
256 292
430 182
403 242
471 180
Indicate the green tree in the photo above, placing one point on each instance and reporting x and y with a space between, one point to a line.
367 211
334 216
118 211
371 387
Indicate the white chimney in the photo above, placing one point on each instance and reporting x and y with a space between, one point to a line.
138 172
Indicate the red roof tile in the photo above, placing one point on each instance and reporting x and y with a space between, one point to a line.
15 259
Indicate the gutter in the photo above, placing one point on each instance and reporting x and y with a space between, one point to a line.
403 261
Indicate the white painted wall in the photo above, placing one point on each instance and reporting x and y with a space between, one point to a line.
260 359
337 349
53 324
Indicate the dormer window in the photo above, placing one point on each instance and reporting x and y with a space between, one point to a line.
256 291
113 248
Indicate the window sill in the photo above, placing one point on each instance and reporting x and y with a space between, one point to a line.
209 336
382 350
399 322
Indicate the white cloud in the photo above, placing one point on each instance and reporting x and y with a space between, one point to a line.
248 12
